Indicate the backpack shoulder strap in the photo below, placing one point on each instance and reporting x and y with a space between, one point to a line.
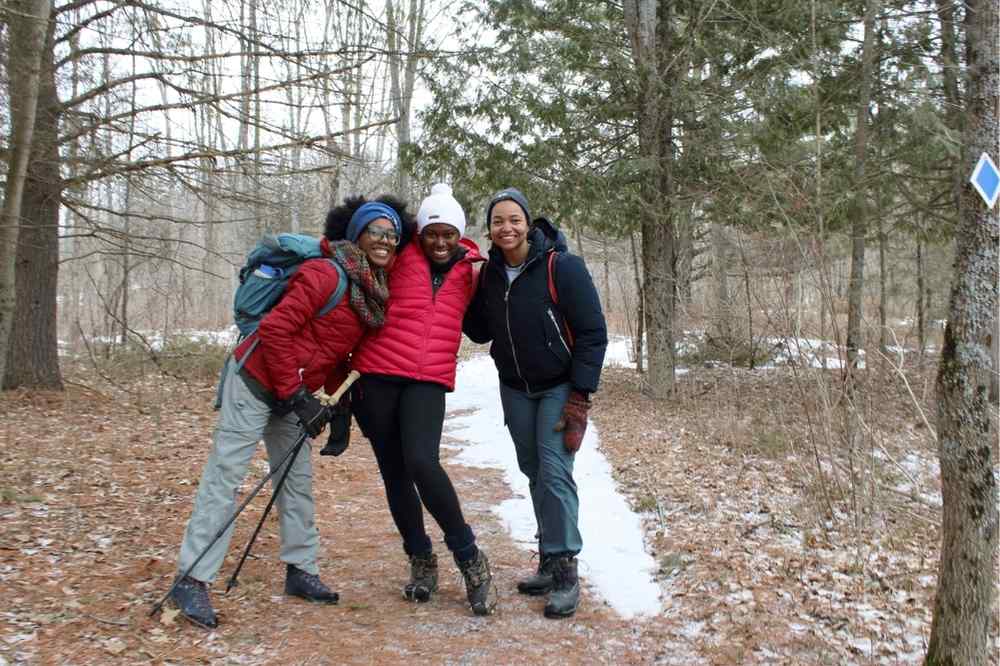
338 293
553 294
335 298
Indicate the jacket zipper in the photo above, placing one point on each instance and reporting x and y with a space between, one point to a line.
559 331
517 366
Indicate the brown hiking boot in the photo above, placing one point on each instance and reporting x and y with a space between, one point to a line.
423 578
479 587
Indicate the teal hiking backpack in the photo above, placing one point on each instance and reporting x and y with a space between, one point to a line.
265 275
263 279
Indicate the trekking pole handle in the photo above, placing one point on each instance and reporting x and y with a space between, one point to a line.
341 390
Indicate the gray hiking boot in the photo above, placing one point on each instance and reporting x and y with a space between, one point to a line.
540 582
191 598
565 595
423 578
479 587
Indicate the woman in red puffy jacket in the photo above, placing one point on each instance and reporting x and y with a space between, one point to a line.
407 367
299 347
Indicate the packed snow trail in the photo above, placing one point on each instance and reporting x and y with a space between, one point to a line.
614 560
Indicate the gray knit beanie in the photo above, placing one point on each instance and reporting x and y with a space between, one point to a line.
508 194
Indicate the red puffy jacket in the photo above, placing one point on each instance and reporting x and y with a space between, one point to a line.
423 329
297 347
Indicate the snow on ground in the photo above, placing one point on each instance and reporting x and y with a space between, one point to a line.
614 560
224 338
620 353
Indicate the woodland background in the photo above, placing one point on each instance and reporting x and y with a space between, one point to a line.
745 180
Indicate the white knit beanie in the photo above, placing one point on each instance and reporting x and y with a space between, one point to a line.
441 207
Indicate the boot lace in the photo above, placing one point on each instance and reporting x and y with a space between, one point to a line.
475 572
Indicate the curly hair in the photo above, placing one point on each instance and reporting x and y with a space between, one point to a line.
339 217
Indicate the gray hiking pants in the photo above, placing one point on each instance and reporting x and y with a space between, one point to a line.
541 456
243 422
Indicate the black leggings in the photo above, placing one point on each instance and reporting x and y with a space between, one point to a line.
403 420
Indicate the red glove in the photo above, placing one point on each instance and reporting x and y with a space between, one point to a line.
573 422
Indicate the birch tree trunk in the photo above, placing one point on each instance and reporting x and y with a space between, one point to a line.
965 605
27 23
402 77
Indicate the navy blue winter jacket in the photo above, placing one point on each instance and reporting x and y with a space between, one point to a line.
529 347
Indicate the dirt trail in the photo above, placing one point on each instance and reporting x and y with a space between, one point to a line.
94 509
95 489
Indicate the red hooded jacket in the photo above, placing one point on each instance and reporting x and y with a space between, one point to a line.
423 329
297 347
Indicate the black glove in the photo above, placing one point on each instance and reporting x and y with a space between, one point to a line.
313 415
340 429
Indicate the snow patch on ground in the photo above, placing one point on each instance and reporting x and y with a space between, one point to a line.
614 560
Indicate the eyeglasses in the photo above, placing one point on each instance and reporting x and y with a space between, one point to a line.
376 234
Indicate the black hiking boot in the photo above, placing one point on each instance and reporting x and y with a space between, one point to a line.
299 583
479 587
540 582
423 578
190 596
565 595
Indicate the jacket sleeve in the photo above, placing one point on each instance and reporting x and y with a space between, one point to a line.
581 307
475 324
306 294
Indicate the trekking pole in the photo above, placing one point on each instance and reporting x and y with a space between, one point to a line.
327 400
253 493
232 518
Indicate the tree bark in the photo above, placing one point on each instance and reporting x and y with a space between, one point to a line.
649 24
723 316
402 75
859 228
32 354
965 605
28 26
640 317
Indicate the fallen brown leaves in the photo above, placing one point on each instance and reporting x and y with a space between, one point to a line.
761 558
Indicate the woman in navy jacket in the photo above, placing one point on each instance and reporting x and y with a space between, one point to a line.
549 356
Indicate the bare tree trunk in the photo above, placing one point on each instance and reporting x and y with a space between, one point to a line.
921 313
32 352
402 74
722 319
949 79
883 271
965 605
640 318
859 227
649 25
606 260
27 21
856 287
685 256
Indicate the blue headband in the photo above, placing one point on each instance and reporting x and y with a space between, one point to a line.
369 212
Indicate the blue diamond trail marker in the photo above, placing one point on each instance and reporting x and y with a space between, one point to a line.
986 179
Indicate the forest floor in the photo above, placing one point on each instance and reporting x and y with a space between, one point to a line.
768 553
